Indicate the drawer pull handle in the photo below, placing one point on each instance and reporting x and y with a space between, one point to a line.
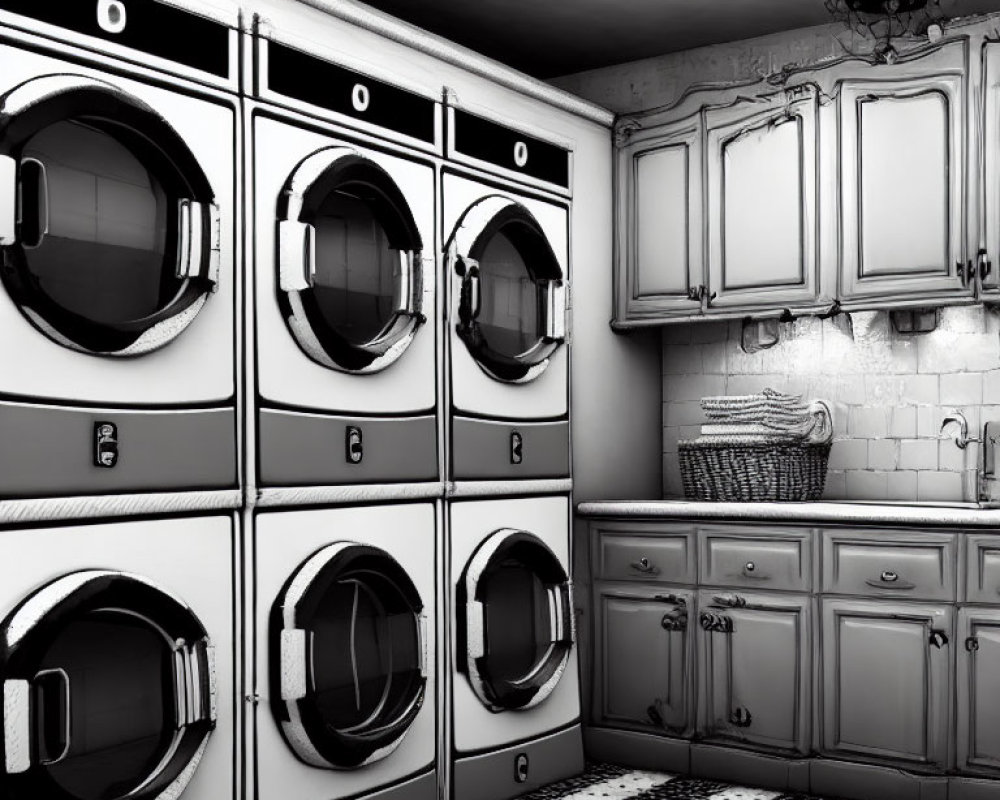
741 718
890 580
645 567
751 570
938 638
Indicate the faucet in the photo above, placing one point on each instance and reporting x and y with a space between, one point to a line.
961 438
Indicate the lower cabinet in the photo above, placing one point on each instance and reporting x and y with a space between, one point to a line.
644 672
754 656
886 681
977 737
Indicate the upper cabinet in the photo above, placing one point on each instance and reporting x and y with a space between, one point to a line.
761 196
850 185
660 224
902 178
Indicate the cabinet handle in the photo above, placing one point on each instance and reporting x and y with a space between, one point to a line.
675 620
716 623
938 638
985 265
751 570
741 718
971 643
644 566
730 601
673 599
654 716
890 580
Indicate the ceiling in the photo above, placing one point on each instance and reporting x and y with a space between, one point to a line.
560 37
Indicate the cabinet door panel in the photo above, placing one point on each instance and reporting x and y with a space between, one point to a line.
660 256
756 675
886 683
762 173
990 233
902 150
645 659
978 732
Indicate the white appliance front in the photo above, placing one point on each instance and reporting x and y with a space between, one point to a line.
537 605
518 299
338 575
105 314
118 660
296 366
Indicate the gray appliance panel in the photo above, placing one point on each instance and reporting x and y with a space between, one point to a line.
298 449
423 787
484 450
50 451
492 776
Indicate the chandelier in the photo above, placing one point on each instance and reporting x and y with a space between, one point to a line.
882 21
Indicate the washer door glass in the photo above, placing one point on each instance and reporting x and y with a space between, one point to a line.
113 690
349 262
512 302
349 639
516 628
115 246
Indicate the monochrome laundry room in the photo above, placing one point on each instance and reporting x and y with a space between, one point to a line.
479 401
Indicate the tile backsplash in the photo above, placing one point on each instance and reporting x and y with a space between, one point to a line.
889 394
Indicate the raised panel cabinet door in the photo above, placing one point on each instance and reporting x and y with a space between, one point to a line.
755 666
645 659
978 682
989 222
886 681
762 200
902 156
660 259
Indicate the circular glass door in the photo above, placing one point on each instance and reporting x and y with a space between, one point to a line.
108 226
349 262
512 301
348 662
109 691
515 629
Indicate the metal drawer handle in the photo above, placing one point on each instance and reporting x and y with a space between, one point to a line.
751 570
890 580
644 566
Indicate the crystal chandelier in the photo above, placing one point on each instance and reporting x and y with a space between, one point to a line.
882 21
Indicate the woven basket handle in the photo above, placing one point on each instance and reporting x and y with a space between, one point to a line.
822 427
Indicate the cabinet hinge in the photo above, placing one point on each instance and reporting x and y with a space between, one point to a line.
972 643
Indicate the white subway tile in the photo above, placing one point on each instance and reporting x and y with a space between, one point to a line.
867 485
902 485
939 486
883 454
965 388
919 454
903 424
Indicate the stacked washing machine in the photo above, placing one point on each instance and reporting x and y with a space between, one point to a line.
344 533
118 398
514 706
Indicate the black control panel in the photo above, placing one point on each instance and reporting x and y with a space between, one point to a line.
479 138
145 25
295 74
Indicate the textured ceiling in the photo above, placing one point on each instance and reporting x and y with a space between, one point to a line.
548 38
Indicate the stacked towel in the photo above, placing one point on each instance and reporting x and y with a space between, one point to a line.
768 416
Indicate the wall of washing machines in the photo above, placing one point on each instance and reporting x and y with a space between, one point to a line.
285 481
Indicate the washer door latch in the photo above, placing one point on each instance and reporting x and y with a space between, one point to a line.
516 447
105 444
353 447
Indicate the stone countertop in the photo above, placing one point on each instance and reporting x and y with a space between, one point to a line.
955 515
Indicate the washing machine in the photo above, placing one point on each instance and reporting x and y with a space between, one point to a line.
505 224
515 705
116 657
344 653
117 215
344 265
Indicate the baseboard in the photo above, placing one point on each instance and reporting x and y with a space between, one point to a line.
749 768
854 781
640 750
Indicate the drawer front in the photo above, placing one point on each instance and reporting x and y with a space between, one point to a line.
775 560
636 553
890 563
982 568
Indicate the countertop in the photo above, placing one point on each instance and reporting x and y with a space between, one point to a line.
955 515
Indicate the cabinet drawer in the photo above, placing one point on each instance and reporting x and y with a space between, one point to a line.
777 559
644 553
982 568
890 563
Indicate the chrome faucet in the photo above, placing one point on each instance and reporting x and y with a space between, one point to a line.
961 438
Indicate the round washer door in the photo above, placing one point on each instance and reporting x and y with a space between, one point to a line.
349 262
108 226
348 660
512 297
516 628
109 691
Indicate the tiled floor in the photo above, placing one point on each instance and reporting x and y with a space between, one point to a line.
620 783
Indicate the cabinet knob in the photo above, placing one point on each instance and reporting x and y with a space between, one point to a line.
645 566
888 576
750 566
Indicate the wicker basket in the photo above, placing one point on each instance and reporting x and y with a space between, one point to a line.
753 471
